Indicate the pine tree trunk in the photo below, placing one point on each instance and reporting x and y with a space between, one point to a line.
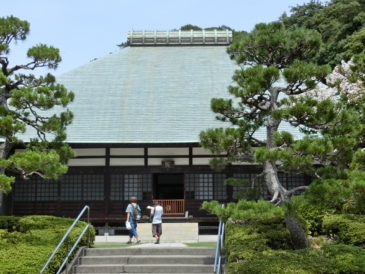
297 233
276 189
4 151
272 181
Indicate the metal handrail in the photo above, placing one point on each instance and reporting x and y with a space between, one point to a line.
219 248
65 236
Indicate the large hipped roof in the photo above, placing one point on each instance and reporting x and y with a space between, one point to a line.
148 94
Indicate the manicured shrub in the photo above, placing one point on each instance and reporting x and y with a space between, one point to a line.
263 246
244 209
27 248
310 215
251 237
348 229
283 261
332 258
328 197
9 223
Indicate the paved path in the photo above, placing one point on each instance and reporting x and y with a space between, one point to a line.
161 245
149 241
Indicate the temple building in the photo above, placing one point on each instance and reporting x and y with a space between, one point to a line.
138 113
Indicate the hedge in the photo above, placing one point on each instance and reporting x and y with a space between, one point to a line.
263 246
346 228
27 242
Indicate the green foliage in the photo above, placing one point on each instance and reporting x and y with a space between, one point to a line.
300 14
244 209
340 22
263 246
49 56
247 240
230 143
310 214
346 258
190 27
273 53
306 73
347 229
331 196
341 195
27 242
9 223
42 162
331 259
254 80
6 182
194 27
273 44
251 189
11 28
28 102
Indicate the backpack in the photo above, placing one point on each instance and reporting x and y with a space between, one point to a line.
136 215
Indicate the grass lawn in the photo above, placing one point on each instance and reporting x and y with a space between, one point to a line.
204 244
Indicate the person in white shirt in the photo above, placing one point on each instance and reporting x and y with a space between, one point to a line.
156 216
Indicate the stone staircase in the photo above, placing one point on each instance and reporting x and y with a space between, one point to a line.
147 260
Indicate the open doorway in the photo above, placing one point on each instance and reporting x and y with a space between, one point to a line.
168 186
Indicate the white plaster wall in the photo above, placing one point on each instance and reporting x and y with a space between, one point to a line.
178 161
87 162
201 161
168 151
89 151
201 151
127 162
127 151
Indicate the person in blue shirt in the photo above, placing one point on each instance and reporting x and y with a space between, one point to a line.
133 216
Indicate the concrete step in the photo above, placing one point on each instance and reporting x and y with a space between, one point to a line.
208 251
150 259
162 268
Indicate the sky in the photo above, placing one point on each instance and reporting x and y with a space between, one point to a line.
88 29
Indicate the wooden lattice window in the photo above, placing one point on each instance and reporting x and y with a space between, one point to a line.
81 187
116 187
47 190
123 186
220 189
93 187
136 185
206 186
24 190
35 189
71 187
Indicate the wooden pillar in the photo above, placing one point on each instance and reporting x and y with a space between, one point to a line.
107 182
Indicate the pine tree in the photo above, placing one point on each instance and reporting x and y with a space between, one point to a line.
267 55
27 103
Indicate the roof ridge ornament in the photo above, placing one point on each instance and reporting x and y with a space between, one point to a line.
180 38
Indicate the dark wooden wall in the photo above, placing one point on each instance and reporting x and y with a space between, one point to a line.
107 209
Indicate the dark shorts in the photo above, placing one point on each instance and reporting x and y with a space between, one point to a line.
156 230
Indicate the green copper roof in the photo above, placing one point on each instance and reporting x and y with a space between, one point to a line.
148 94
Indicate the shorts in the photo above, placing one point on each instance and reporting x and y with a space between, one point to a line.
156 230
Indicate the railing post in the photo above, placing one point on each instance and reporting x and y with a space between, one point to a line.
220 244
88 231
217 247
65 237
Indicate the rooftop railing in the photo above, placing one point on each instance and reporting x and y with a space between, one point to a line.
175 38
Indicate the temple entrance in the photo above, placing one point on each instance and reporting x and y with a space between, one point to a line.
169 190
168 186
